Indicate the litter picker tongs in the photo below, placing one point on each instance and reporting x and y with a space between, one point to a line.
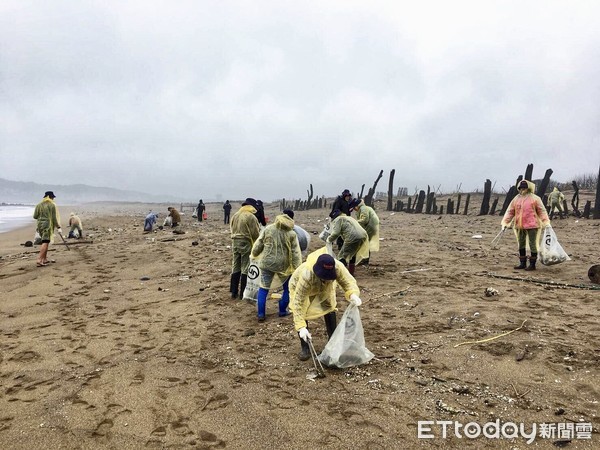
318 366
64 242
499 236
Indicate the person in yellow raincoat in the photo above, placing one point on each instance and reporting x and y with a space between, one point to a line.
555 201
356 241
244 231
48 219
312 294
367 218
530 216
278 252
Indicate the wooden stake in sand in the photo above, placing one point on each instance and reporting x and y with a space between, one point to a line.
491 338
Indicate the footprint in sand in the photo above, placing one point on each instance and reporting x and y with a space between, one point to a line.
216 402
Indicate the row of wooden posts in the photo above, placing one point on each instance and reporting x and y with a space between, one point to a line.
426 201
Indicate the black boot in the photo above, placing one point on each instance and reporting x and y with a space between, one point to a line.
532 261
351 268
244 279
235 281
330 323
522 259
304 351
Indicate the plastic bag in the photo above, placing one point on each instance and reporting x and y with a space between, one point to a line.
253 281
551 252
204 215
326 232
346 347
37 239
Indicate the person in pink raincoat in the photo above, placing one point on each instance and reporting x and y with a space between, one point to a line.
529 216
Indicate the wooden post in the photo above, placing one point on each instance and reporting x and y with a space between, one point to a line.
435 209
409 207
575 199
494 204
369 197
529 172
544 185
429 204
420 202
449 209
512 192
468 199
487 193
391 190
565 207
586 209
458 204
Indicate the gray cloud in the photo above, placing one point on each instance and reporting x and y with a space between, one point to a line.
264 98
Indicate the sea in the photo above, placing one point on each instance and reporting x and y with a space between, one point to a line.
13 216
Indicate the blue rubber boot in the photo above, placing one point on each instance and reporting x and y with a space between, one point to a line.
285 300
262 304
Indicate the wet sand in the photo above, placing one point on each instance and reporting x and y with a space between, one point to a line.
132 341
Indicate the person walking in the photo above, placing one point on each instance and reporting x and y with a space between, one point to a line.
226 212
313 295
529 215
368 219
355 245
555 201
75 224
244 232
200 210
48 220
278 252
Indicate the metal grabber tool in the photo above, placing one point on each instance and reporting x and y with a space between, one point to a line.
318 366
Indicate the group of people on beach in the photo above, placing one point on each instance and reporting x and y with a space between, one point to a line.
308 288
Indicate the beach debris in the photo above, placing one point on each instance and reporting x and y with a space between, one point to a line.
144 278
552 283
561 443
194 243
389 294
419 270
28 244
477 236
491 338
162 289
184 278
106 291
594 274
490 292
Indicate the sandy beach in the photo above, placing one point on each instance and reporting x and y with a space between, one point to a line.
131 340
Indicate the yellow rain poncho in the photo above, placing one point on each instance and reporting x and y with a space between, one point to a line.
277 248
367 218
356 240
311 297
46 214
244 231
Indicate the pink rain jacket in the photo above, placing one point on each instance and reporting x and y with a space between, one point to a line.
527 210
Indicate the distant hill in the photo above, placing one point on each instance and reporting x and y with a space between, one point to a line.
31 193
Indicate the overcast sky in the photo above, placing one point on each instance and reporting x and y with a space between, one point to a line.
262 98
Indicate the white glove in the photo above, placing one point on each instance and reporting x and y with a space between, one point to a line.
59 230
304 334
503 227
355 300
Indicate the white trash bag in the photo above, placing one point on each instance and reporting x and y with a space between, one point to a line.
346 347
551 252
326 232
253 281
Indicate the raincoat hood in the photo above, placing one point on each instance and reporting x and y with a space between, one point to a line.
284 222
249 208
530 189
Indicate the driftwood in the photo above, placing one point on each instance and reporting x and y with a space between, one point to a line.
551 283
575 199
74 242
391 190
587 209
